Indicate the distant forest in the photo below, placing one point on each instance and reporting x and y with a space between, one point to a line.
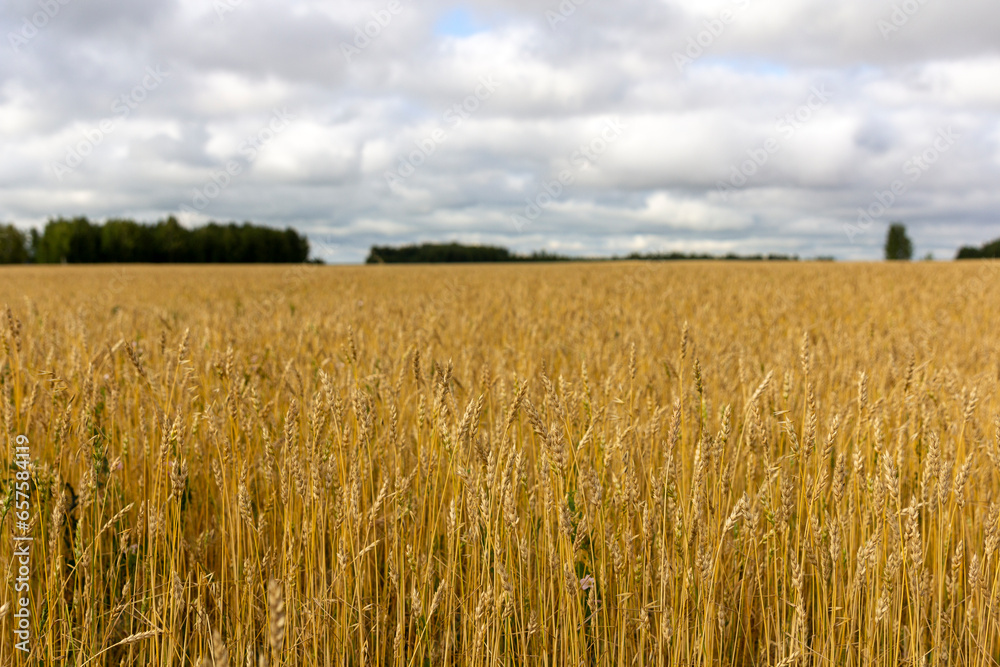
434 253
989 250
79 241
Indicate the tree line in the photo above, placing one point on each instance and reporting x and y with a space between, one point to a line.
989 250
898 246
78 240
436 253
674 256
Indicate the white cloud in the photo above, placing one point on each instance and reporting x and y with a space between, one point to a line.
671 212
653 187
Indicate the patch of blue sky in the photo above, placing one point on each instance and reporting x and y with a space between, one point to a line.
743 65
458 22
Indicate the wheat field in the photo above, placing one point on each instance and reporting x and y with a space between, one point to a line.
571 464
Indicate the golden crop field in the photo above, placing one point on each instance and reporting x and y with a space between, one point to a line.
570 464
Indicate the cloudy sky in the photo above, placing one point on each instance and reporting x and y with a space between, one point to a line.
580 127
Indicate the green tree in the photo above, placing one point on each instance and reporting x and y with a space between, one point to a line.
13 245
65 240
897 244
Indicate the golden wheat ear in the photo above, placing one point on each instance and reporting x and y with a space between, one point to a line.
219 656
276 607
